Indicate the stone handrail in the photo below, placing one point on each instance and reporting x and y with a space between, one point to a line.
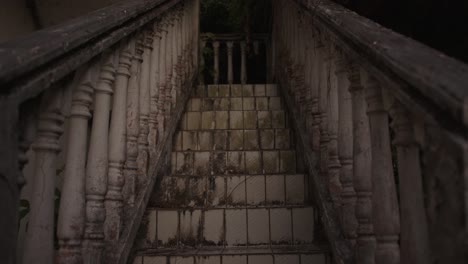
113 84
383 123
230 40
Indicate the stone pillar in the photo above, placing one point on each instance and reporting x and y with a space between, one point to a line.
168 81
133 122
362 174
97 164
414 242
117 142
345 149
315 77
216 61
144 104
323 65
229 46
39 242
71 217
384 205
243 63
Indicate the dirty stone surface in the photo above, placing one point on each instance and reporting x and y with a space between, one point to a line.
237 189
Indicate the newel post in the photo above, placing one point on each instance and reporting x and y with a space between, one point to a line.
39 242
385 209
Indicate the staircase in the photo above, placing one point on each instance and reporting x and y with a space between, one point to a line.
237 192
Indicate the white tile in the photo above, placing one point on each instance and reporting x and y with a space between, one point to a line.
189 225
287 259
259 226
181 260
216 191
234 259
313 259
255 189
168 222
295 187
235 193
236 227
152 222
261 259
281 229
154 260
303 225
275 189
208 260
213 229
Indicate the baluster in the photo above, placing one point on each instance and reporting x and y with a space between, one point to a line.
362 173
28 126
117 142
97 164
154 91
39 242
142 159
414 231
71 218
162 77
174 88
201 77
216 61
316 113
243 63
133 122
230 45
169 51
384 207
345 149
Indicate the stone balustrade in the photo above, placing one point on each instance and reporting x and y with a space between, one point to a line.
383 122
228 45
104 93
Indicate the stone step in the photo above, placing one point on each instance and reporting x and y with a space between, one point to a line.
309 254
174 228
222 120
250 139
202 163
260 103
235 90
225 191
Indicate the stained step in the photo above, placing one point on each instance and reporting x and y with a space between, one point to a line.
176 228
306 254
221 191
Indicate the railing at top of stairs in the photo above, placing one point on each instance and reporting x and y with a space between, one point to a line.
128 68
383 121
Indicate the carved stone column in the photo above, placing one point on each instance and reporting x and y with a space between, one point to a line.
414 242
243 62
362 172
97 164
72 214
144 106
39 242
385 206
229 46
117 142
216 61
133 122
345 149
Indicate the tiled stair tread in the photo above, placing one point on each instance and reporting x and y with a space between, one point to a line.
251 250
276 190
236 90
235 104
